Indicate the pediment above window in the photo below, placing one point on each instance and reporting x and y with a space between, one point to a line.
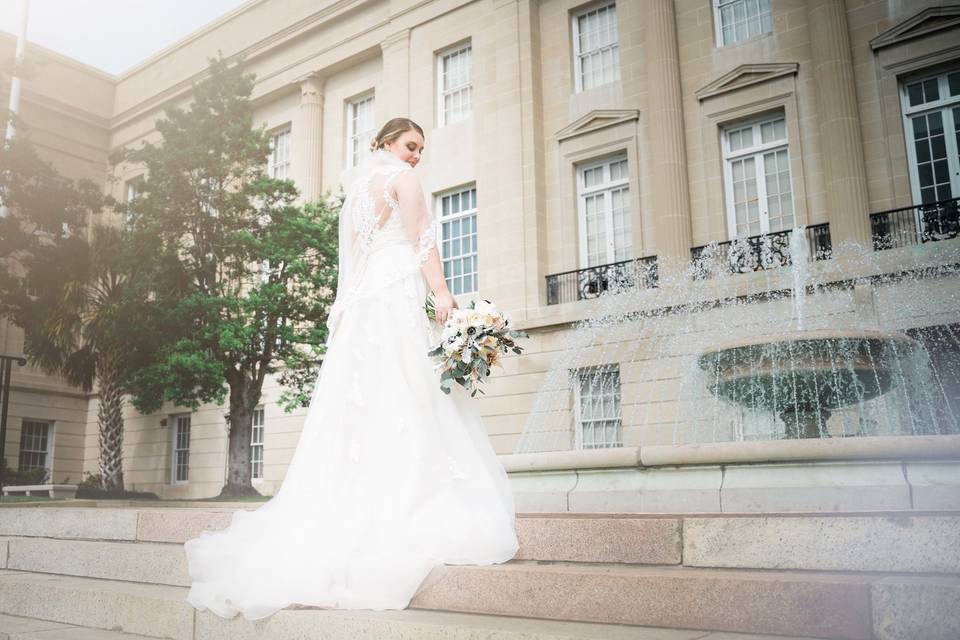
924 23
746 75
597 119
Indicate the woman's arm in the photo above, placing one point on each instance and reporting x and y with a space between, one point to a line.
416 220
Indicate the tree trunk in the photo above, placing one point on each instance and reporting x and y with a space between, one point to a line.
110 421
244 396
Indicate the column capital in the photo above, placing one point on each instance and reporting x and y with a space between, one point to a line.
401 38
311 86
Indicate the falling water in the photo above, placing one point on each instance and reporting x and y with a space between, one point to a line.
800 257
661 365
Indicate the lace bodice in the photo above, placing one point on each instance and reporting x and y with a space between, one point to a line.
372 219
379 223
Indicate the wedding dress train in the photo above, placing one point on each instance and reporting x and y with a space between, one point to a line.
390 478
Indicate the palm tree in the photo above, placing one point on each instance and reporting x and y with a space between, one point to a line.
73 320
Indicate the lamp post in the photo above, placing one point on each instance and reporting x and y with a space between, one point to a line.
15 88
6 365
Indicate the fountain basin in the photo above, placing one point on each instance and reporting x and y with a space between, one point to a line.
802 376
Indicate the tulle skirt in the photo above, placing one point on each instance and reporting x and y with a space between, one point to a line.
391 478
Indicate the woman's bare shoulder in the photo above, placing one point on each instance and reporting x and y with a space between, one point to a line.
406 180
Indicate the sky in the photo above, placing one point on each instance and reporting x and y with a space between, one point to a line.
112 35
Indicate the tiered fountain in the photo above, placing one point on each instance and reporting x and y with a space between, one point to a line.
756 391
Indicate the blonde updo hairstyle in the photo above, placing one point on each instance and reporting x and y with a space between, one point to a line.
392 130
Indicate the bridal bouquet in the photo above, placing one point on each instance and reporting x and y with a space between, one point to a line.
473 340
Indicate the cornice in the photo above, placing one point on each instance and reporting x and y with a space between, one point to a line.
921 24
595 120
746 75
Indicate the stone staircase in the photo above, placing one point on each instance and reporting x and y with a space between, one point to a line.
108 571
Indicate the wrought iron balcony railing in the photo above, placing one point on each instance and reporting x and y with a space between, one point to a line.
915 225
757 253
583 284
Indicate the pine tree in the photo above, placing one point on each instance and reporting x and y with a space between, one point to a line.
241 277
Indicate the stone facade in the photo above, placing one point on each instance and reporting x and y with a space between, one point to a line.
833 70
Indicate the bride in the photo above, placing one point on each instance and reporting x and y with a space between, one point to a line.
391 478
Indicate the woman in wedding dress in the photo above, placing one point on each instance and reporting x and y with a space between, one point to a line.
391 478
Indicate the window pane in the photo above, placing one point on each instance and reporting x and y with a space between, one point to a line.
598 409
606 213
953 82
742 19
456 84
459 247
597 55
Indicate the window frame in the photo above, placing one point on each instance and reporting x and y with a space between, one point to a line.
174 421
756 151
254 443
47 452
460 215
352 134
460 48
718 23
576 378
285 131
578 54
945 106
131 189
607 187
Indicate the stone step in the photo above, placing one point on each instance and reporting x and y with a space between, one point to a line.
19 628
32 605
598 590
817 604
882 542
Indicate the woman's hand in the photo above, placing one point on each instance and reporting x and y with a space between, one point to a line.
444 304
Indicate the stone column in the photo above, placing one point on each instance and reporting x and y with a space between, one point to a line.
307 139
840 140
668 153
393 98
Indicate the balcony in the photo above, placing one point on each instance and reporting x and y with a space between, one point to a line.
584 284
758 253
918 224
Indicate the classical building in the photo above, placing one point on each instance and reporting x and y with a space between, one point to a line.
564 140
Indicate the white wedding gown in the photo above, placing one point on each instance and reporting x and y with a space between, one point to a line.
391 477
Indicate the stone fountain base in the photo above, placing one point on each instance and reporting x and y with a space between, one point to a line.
855 474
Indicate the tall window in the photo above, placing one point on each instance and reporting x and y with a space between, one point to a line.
458 239
280 155
597 408
595 49
35 445
256 443
738 20
455 84
757 177
30 288
931 111
132 189
181 448
604 197
361 127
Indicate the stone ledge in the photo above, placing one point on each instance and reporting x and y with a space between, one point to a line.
945 447
95 524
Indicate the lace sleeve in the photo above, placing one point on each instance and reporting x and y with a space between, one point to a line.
417 219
